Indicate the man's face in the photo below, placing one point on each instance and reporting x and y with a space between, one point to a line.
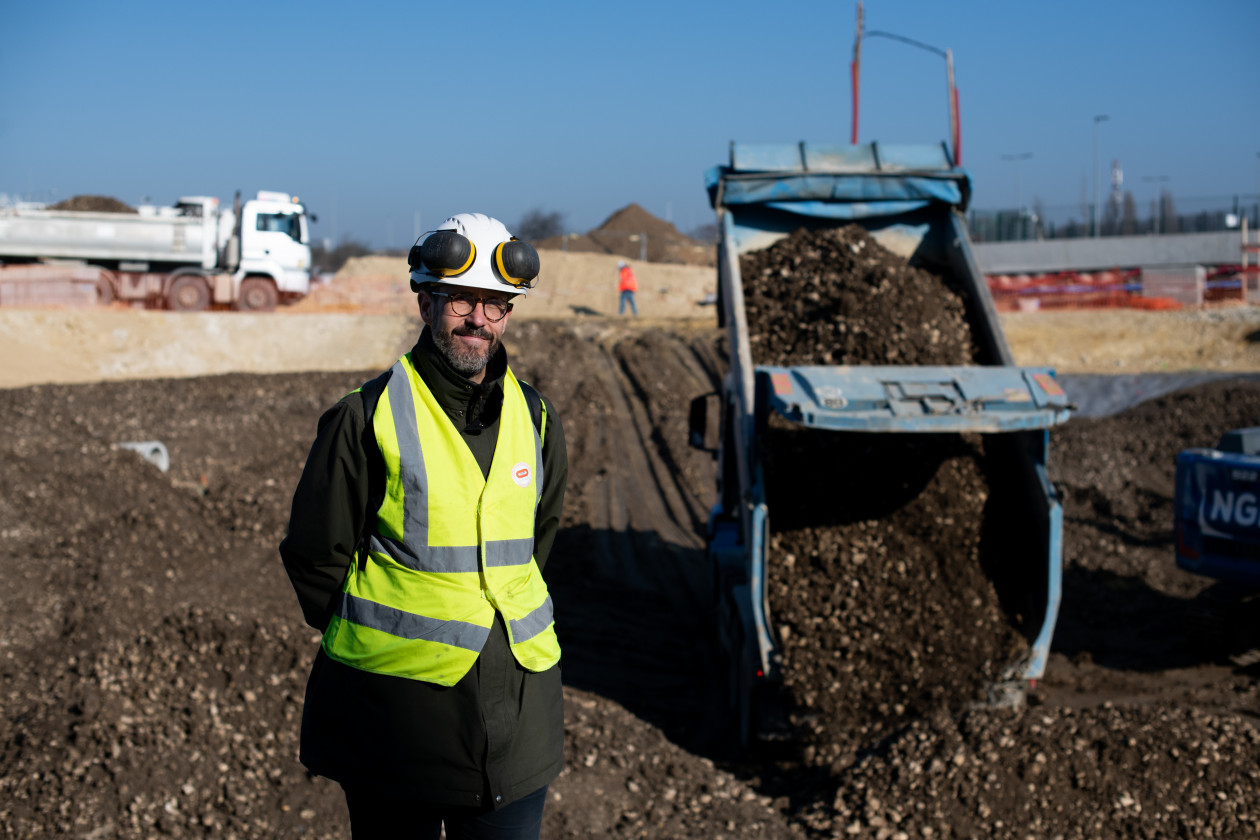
466 341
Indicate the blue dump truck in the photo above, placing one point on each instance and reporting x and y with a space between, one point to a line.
1216 500
911 199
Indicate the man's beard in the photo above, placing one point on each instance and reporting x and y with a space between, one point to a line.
464 359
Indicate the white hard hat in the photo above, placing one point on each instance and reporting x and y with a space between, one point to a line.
472 249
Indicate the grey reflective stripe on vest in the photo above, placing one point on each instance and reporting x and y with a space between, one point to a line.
407 625
440 558
524 629
455 558
415 524
538 459
501 553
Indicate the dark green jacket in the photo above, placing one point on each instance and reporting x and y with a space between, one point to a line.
496 735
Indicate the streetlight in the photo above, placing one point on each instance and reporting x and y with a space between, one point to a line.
1157 219
955 129
1097 119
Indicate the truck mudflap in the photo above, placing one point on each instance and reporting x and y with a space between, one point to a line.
917 399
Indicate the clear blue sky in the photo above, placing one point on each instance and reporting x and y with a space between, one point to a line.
374 112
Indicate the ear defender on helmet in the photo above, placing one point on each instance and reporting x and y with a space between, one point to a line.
444 253
517 262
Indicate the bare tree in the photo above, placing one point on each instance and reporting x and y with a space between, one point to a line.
539 224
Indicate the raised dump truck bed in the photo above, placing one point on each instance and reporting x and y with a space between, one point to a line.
910 200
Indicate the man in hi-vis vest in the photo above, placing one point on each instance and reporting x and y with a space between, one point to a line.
419 531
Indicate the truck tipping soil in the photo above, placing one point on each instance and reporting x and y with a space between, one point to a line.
877 580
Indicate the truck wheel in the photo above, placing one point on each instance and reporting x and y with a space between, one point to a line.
188 293
258 294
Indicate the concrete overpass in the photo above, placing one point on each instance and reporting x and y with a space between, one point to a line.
1111 252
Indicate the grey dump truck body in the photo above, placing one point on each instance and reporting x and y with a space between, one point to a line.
910 199
189 256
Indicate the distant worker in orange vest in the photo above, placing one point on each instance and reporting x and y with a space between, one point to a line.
627 285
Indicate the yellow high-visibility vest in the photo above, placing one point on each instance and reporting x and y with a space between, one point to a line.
450 547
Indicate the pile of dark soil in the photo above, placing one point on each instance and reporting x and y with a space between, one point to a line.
876 588
93 204
837 297
636 234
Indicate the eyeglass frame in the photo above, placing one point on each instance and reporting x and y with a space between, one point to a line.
465 296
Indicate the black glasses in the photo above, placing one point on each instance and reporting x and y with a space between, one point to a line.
463 304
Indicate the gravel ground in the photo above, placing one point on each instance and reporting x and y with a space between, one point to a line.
154 658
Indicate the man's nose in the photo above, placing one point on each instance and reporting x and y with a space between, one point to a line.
478 315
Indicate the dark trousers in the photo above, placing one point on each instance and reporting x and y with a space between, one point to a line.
627 297
376 816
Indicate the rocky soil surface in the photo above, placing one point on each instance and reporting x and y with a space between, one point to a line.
836 297
154 659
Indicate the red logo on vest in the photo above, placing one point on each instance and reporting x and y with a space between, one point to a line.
521 474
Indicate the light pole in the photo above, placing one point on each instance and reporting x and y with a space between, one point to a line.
1094 212
1157 217
955 127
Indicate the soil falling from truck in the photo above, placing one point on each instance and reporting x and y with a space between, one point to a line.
877 586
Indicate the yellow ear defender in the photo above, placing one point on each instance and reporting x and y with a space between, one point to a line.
444 253
517 262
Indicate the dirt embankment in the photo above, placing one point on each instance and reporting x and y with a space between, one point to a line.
108 343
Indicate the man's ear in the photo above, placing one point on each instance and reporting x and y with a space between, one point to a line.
425 301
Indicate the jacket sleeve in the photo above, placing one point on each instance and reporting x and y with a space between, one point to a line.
329 508
555 477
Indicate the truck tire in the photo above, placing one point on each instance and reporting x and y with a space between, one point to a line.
258 294
188 293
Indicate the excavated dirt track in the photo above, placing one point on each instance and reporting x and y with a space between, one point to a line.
153 658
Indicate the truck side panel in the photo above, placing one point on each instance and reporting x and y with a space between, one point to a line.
107 237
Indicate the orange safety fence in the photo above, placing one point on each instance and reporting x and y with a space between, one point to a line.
1117 288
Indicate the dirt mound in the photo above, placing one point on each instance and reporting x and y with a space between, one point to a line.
635 234
837 297
94 204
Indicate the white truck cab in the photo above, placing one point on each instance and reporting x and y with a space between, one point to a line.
274 243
